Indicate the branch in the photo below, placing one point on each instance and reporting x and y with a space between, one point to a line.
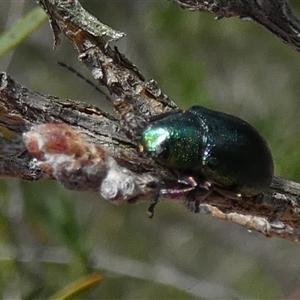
95 143
274 15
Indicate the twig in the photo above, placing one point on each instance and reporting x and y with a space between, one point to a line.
273 214
274 15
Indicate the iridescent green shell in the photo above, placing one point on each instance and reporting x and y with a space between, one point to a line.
212 146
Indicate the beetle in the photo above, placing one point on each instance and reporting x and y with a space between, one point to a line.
210 146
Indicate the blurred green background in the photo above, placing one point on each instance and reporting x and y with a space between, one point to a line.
49 237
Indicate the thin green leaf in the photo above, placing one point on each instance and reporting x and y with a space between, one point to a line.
21 30
78 286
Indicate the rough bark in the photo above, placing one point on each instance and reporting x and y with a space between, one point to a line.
274 15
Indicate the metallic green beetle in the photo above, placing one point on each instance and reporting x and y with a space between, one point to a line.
211 146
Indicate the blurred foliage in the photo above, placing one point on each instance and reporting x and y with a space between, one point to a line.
50 237
21 30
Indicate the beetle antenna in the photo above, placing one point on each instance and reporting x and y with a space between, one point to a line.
71 69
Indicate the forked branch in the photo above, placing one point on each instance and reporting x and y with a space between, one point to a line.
99 140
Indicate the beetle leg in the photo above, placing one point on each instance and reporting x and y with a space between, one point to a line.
200 199
193 188
152 207
155 201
